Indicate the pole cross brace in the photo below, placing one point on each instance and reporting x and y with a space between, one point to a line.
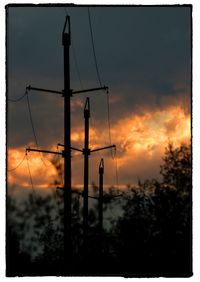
103 148
86 152
89 150
91 89
29 87
43 151
75 149
72 148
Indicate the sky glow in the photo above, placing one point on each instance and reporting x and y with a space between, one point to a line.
144 56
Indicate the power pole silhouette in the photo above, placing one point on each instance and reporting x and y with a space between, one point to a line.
67 93
86 152
100 199
66 41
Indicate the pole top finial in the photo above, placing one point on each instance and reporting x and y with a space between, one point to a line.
66 35
101 166
87 107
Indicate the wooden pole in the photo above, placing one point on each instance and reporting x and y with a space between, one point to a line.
86 152
67 147
101 172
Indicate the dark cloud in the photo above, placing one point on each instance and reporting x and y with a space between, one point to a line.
143 53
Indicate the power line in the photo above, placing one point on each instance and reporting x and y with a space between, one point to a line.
66 13
116 168
98 75
62 176
108 118
75 57
76 65
32 125
93 48
108 100
18 99
37 206
12 169
31 120
29 171
33 129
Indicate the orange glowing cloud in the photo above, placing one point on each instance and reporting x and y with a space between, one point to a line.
142 133
41 169
153 130
140 140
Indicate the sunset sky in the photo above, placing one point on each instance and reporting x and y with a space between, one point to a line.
144 57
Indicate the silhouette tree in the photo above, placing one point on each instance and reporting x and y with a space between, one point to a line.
148 234
154 233
176 170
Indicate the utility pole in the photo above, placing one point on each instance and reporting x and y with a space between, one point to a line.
100 199
86 153
67 93
66 41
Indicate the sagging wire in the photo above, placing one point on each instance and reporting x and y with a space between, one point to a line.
74 56
76 66
56 194
114 157
59 159
93 48
116 167
98 74
66 13
33 129
108 119
30 176
20 163
31 119
37 207
18 99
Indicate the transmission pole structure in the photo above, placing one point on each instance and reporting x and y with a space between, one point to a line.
86 152
67 93
66 41
100 200
101 172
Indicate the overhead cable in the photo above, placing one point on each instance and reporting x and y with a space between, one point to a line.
108 102
76 65
29 171
75 57
108 117
93 48
33 129
116 167
18 99
31 120
12 169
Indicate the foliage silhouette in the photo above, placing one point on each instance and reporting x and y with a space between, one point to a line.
147 232
154 234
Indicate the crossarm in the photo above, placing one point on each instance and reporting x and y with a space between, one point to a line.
103 148
43 151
